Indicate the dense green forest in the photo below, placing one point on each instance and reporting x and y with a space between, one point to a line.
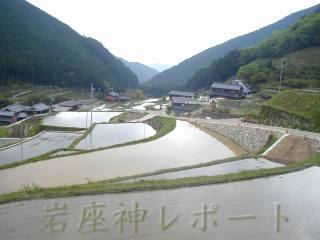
261 64
39 49
177 76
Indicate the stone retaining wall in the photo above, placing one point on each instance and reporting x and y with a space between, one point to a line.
315 143
250 138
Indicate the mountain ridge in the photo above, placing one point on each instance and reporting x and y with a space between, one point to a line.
177 76
143 72
37 48
296 49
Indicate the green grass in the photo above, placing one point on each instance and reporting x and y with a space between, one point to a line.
36 192
304 105
78 140
127 116
168 170
271 140
4 132
298 102
238 108
34 126
301 70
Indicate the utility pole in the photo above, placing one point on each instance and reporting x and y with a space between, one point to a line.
246 97
91 89
21 128
281 71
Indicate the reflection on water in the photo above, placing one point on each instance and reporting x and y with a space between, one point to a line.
297 193
8 141
218 169
78 119
110 134
46 142
185 145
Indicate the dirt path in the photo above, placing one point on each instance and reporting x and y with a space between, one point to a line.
291 149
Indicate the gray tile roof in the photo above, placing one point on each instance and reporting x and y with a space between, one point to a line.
87 101
7 114
181 100
40 107
183 94
71 103
226 86
15 108
225 94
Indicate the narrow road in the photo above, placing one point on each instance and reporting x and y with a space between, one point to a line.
235 121
22 93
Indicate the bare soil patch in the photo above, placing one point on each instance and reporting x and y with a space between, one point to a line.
291 149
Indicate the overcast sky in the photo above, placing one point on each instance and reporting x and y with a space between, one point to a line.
167 31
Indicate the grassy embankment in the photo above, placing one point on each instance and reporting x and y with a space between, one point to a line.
121 118
35 192
162 125
35 94
294 109
271 140
32 127
127 116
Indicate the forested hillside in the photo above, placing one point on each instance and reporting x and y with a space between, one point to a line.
142 71
39 49
296 47
177 76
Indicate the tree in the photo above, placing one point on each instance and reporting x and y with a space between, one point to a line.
253 73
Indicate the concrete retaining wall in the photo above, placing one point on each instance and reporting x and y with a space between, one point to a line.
251 139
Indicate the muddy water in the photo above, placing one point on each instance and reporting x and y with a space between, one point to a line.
110 134
223 168
185 145
46 142
297 194
78 119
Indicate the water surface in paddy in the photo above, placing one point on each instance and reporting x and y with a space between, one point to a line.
46 142
78 119
146 103
185 145
110 134
297 193
217 169
8 141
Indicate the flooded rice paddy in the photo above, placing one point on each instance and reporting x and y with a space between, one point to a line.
273 208
217 169
185 145
110 134
78 119
39 145
8 141
146 103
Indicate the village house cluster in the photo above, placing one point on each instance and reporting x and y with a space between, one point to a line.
17 112
185 100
